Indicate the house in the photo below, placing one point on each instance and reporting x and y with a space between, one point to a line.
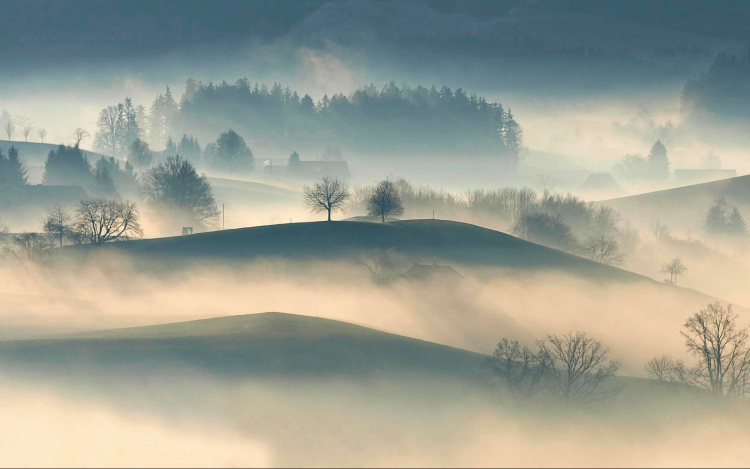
308 170
600 186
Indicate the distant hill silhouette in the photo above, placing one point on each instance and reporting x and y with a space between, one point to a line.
271 344
683 206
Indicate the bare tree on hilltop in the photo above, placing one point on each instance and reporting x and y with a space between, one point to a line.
101 221
326 195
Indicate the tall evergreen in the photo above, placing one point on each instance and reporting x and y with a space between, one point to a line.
102 183
658 163
15 173
512 136
735 223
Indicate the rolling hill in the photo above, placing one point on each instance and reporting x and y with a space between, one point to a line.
265 344
421 240
683 206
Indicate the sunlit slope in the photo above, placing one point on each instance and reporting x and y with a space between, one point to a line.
683 206
421 240
257 344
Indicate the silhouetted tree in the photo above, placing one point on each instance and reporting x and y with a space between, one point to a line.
171 148
106 139
294 164
725 219
29 248
674 268
9 128
42 134
140 155
67 166
722 350
633 168
189 148
124 178
658 164
578 367
101 182
232 152
603 248
385 201
175 185
79 135
100 221
326 195
512 136
57 223
12 171
521 370
545 229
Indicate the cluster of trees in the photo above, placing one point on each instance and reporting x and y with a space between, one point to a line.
393 118
573 368
94 221
569 223
107 178
117 128
10 124
724 219
721 90
636 168
722 351
328 195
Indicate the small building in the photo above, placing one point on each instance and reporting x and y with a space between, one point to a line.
686 177
309 170
432 272
600 186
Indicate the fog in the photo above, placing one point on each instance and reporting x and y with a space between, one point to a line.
369 365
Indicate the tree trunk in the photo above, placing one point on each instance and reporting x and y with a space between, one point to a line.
382 216
329 214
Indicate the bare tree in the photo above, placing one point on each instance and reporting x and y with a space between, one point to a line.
658 229
140 155
577 367
385 201
79 135
722 350
383 266
27 129
42 133
100 221
9 128
674 268
29 247
664 369
326 195
521 370
603 248
57 223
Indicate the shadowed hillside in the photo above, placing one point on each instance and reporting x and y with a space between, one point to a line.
259 344
422 240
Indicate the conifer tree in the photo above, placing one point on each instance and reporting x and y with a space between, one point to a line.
658 163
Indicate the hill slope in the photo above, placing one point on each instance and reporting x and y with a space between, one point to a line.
683 206
259 344
421 240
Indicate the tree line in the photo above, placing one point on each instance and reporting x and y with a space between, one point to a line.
388 119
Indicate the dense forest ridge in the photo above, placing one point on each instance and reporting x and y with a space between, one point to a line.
392 120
